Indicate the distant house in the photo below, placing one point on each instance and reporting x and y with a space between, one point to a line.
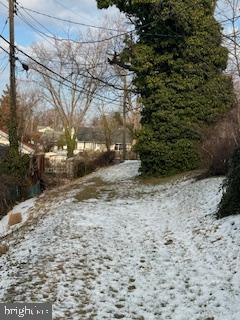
117 140
93 139
24 148
90 139
42 129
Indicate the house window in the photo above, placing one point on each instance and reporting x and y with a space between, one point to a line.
118 147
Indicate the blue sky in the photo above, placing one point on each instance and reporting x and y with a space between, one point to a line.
83 11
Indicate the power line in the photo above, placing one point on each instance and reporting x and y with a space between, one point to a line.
43 35
66 20
102 99
3 59
87 65
83 75
99 97
91 76
39 23
4 26
80 23
165 35
229 19
5 67
3 48
4 5
54 37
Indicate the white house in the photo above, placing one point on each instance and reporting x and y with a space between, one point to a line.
42 129
93 139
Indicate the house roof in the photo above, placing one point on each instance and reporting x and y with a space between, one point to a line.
91 134
118 136
26 146
4 133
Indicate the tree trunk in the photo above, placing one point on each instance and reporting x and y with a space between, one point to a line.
70 141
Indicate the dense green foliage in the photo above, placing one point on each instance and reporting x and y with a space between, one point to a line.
230 203
15 165
178 62
9 121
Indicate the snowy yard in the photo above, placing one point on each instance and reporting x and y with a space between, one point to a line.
112 246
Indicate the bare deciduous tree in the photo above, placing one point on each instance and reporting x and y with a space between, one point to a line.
75 75
228 15
68 89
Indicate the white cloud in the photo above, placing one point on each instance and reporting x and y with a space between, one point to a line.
84 11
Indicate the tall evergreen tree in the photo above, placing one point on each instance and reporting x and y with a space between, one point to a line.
178 60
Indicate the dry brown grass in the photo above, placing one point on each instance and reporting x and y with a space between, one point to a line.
14 218
3 249
96 189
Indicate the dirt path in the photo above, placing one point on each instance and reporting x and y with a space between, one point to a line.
113 247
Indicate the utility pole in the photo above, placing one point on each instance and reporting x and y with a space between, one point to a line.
12 125
125 96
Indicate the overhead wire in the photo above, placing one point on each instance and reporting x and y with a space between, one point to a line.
56 38
4 5
35 20
1 47
97 96
101 80
66 20
121 34
3 67
4 26
46 38
3 59
102 99
84 75
78 87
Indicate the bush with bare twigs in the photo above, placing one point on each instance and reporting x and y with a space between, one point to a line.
11 190
87 165
219 143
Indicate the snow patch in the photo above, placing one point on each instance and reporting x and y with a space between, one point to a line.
124 171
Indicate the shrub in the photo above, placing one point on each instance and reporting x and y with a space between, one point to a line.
105 159
11 190
230 203
84 167
219 142
160 158
17 166
217 155
87 165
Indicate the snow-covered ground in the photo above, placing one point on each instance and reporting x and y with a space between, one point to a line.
116 247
